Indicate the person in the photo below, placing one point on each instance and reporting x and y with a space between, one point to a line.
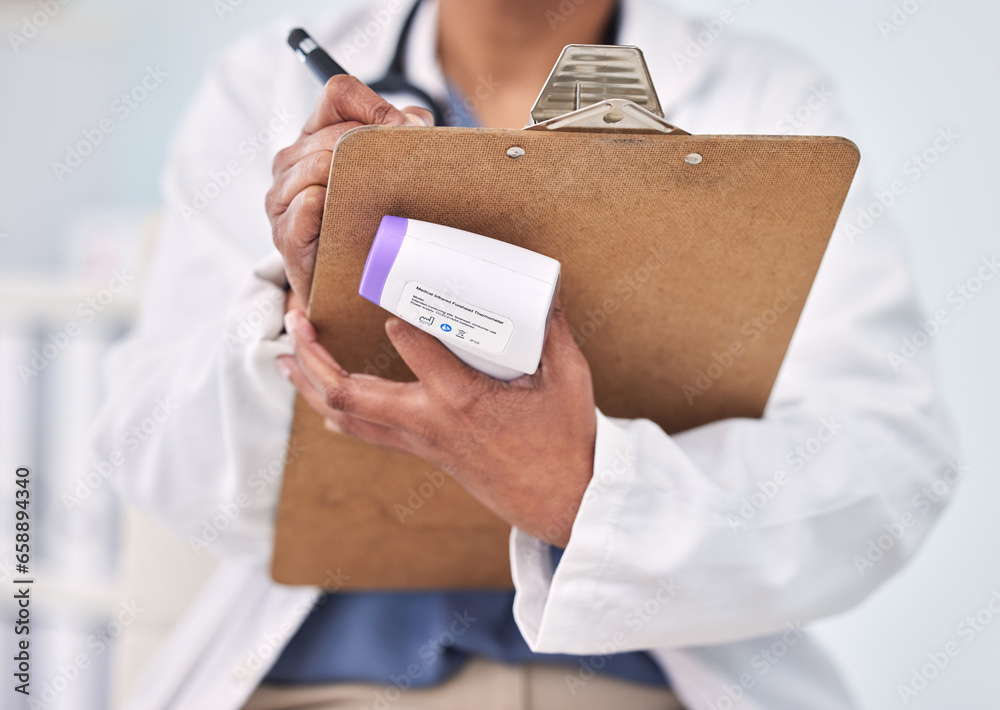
678 583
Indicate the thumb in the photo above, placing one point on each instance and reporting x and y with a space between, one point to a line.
429 359
418 116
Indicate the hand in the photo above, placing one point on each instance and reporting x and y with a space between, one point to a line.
524 448
302 170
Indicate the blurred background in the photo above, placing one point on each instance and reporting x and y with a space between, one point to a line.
74 240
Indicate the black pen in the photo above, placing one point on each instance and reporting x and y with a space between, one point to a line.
314 56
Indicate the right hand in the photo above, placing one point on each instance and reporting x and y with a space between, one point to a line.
301 171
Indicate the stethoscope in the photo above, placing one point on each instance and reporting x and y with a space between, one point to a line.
395 81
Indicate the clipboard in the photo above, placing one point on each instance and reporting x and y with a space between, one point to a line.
686 261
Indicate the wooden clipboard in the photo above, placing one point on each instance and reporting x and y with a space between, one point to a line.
686 261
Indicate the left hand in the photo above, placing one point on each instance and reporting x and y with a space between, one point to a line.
524 448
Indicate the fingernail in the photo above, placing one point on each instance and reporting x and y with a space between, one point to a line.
283 368
415 119
331 425
291 318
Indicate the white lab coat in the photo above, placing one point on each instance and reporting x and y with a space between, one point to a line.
656 560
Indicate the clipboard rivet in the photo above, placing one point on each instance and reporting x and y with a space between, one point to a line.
692 158
515 152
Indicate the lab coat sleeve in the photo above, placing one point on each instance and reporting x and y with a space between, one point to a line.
194 407
741 527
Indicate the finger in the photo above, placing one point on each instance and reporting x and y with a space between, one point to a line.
346 98
294 302
433 364
322 141
398 404
316 150
296 233
383 436
311 170
325 139
289 367
423 116
342 423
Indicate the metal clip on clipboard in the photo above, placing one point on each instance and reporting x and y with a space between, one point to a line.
600 87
